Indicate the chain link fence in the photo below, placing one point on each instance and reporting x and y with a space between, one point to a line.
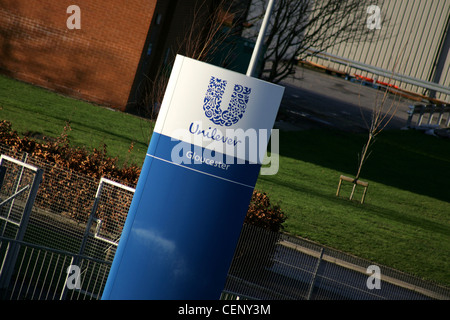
273 266
76 220
75 226
43 273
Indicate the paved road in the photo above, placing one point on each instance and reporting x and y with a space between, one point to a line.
314 98
293 271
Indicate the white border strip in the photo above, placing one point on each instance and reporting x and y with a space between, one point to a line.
117 184
18 162
208 174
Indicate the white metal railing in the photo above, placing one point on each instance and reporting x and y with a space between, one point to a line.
431 110
381 72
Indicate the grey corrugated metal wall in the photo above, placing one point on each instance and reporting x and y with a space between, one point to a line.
413 31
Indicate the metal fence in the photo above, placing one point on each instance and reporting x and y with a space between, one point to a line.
428 116
19 183
43 273
76 222
276 266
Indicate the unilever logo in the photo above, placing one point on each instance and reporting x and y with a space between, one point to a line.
236 107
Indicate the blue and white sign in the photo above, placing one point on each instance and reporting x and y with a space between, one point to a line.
195 186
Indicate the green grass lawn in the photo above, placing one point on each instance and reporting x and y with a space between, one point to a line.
404 223
39 112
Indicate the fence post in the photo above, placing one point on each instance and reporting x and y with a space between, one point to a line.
441 114
91 217
16 188
12 253
64 290
448 116
316 271
2 175
422 111
430 117
411 112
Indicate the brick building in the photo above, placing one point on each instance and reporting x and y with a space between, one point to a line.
96 62
118 44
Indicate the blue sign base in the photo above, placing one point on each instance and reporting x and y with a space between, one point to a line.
182 228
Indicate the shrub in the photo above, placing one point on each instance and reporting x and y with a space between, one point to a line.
256 247
263 214
97 164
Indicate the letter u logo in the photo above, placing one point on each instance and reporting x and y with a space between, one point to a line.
236 107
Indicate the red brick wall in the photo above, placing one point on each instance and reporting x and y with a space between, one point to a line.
97 62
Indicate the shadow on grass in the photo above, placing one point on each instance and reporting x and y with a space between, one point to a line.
382 212
410 220
408 160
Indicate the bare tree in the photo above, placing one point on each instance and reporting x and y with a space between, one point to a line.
212 21
208 30
299 28
383 111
